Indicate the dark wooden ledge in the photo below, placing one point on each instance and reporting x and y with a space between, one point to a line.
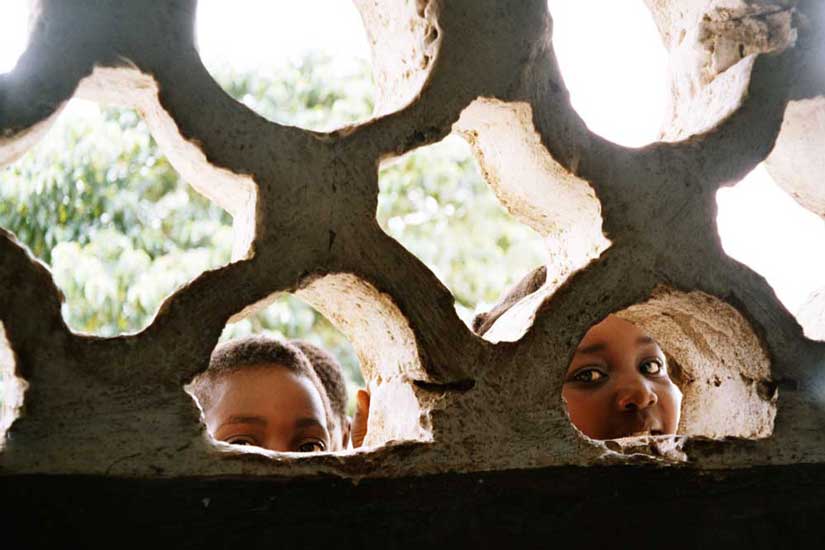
764 507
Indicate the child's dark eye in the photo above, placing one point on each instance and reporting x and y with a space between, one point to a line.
589 376
311 447
240 440
652 367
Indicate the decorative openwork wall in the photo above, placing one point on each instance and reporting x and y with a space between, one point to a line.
630 230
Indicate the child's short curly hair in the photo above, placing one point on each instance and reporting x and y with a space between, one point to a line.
255 352
331 373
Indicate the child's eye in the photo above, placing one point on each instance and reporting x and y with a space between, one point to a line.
589 376
652 366
240 440
311 447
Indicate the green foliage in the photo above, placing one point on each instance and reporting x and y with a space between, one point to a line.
99 203
436 203
311 93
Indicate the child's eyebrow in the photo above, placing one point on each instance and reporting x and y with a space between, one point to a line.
245 419
645 340
592 348
308 422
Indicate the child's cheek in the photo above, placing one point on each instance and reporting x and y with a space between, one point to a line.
588 410
670 399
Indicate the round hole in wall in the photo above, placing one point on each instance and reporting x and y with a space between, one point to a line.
678 363
302 64
365 388
286 358
614 65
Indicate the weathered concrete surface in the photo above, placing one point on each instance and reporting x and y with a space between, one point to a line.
796 161
116 407
721 367
711 43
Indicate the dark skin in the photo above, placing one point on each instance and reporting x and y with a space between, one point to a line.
617 384
361 418
271 407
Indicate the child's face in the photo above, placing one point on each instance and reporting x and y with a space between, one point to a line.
270 407
618 386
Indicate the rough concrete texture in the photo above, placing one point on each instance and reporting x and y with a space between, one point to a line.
621 225
719 363
12 388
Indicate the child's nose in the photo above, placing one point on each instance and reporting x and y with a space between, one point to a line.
277 442
635 396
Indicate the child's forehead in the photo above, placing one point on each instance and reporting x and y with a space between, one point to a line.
256 370
268 386
616 332
262 374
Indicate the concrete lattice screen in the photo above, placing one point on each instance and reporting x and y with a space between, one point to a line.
628 230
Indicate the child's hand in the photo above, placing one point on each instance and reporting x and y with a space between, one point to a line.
361 418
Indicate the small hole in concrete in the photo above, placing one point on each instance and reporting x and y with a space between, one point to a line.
715 359
99 203
618 384
304 64
313 375
318 389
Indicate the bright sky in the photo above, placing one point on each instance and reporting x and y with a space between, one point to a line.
614 65
617 79
254 33
14 32
762 226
